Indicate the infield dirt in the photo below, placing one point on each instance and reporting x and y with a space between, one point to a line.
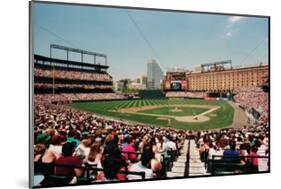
195 118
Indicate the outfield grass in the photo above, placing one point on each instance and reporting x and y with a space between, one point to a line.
223 118
184 111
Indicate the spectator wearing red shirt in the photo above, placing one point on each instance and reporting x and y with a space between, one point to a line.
68 165
253 159
129 147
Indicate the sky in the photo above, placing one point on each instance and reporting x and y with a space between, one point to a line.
130 38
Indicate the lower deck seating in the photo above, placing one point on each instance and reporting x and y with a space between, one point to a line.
67 97
183 94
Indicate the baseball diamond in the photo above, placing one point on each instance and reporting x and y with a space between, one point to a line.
210 114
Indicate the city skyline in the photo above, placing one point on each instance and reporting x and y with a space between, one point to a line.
131 37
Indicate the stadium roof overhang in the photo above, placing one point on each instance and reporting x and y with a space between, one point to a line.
68 62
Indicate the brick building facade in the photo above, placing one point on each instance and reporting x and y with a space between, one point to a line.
227 80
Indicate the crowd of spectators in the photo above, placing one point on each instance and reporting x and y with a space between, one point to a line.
195 94
72 75
69 97
70 86
232 145
99 96
252 140
185 94
69 91
170 94
68 140
254 98
52 98
67 137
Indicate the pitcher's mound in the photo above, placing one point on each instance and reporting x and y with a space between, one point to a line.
176 109
199 118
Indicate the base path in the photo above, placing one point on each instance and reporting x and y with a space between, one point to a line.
199 118
240 118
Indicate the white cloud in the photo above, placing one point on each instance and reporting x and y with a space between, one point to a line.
234 19
229 34
231 27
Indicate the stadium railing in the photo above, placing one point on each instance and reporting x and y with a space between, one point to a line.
186 171
90 173
167 161
221 164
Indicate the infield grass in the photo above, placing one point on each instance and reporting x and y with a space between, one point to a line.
173 111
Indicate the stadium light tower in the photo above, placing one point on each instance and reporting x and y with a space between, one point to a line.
80 51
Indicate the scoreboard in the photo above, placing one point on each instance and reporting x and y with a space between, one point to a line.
175 85
175 80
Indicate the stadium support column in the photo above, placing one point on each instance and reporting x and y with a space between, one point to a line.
53 76
53 80
81 56
67 57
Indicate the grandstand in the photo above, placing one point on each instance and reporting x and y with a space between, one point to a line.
58 79
183 94
172 153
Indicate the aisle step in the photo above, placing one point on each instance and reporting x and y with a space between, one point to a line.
196 167
178 168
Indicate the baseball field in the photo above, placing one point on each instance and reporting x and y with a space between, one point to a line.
177 113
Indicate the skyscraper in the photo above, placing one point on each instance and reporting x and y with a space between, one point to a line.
154 75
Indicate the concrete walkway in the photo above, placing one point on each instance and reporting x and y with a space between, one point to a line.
196 167
179 165
240 118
